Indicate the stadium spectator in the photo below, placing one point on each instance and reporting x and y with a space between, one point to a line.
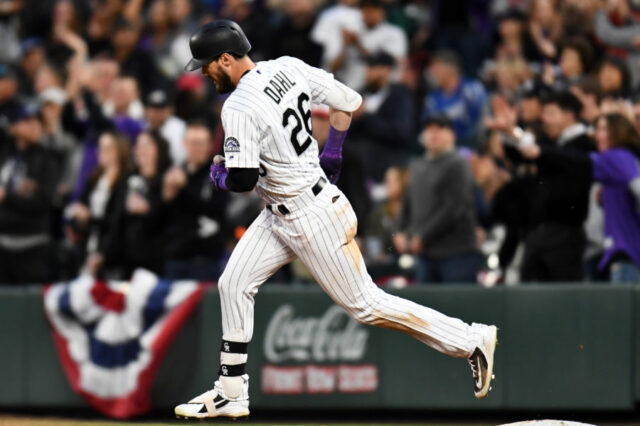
507 76
616 167
382 223
559 202
100 27
133 60
614 79
88 88
595 239
33 57
184 23
383 127
331 31
465 27
530 108
92 220
9 105
373 35
193 101
140 227
195 232
10 31
514 40
575 62
545 27
253 20
460 99
292 30
160 118
183 16
577 20
616 27
438 219
61 145
98 77
27 185
66 33
125 108
160 40
47 76
589 93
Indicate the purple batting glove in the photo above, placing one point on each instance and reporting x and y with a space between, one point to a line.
331 157
217 176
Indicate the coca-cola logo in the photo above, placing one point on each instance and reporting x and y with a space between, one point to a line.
334 336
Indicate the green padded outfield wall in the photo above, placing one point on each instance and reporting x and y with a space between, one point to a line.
561 347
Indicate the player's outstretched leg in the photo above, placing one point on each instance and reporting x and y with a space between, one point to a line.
259 253
328 249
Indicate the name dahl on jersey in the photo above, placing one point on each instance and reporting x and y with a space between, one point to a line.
278 86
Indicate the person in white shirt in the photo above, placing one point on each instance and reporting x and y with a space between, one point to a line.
369 32
159 115
331 25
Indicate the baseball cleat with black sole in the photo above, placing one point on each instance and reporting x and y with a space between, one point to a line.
481 361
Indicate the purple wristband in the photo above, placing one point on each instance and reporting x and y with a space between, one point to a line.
335 141
331 157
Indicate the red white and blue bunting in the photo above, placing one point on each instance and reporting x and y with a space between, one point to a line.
111 337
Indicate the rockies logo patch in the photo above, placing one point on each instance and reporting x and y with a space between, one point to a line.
231 144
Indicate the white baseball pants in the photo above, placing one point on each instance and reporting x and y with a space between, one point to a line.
320 230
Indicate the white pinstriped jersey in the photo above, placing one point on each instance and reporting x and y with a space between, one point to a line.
267 124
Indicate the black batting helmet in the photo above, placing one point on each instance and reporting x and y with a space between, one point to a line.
215 38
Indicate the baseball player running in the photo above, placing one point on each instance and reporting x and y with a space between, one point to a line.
268 145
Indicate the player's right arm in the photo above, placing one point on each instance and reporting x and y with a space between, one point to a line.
238 170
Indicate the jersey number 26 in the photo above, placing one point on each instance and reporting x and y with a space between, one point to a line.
304 118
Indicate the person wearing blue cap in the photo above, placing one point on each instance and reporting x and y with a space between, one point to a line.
461 99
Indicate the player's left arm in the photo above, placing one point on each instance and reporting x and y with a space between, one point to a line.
342 101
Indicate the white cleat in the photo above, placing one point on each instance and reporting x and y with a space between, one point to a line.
481 361
214 403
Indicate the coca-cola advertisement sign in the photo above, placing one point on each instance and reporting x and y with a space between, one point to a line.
333 337
316 354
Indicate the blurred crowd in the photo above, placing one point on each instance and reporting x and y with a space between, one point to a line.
497 141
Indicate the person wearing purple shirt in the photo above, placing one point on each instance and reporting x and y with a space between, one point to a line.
617 167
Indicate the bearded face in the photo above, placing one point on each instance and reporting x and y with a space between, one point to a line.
219 76
223 83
